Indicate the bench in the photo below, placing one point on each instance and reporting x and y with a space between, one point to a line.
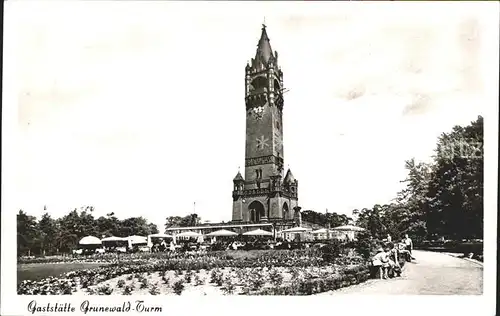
376 271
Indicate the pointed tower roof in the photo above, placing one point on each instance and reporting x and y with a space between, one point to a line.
289 178
238 177
264 50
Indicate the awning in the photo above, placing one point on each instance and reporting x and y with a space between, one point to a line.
188 234
258 232
222 232
349 228
294 230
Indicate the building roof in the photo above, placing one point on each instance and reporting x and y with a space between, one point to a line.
201 227
264 50
289 178
238 177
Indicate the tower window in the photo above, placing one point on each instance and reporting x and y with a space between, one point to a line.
258 173
259 83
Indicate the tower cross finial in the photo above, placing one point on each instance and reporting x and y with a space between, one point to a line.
264 23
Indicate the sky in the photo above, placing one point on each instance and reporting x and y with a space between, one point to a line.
138 108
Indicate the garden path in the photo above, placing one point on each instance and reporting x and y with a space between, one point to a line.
432 273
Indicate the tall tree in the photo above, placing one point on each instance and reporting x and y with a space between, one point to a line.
455 198
47 230
26 233
412 200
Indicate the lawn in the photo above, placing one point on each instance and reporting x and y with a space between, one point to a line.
38 271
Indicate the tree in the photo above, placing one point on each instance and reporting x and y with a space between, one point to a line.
108 226
190 220
134 226
324 219
48 228
153 229
338 219
186 221
455 197
412 200
63 234
173 221
26 233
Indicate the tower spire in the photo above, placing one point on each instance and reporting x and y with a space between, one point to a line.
264 50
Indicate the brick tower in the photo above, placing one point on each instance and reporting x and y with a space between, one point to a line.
265 194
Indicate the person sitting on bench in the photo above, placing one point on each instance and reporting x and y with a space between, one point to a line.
381 261
404 252
394 260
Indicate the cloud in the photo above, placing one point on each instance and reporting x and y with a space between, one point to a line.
420 104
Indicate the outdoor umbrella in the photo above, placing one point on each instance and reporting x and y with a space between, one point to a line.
160 235
349 228
222 232
319 231
258 232
90 240
294 230
150 244
137 239
113 238
188 234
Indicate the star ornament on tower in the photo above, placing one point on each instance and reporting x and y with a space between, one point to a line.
262 142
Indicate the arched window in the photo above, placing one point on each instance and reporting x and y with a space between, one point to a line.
257 211
258 83
286 211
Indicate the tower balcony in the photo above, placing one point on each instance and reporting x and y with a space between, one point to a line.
265 191
251 192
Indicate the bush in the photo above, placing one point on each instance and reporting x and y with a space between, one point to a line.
229 287
198 280
188 277
178 287
154 290
165 280
256 282
365 245
276 278
105 290
216 276
331 251
144 283
120 283
127 290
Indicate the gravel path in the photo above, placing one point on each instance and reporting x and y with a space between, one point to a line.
432 273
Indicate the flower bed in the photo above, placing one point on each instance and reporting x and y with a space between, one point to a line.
219 281
298 272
